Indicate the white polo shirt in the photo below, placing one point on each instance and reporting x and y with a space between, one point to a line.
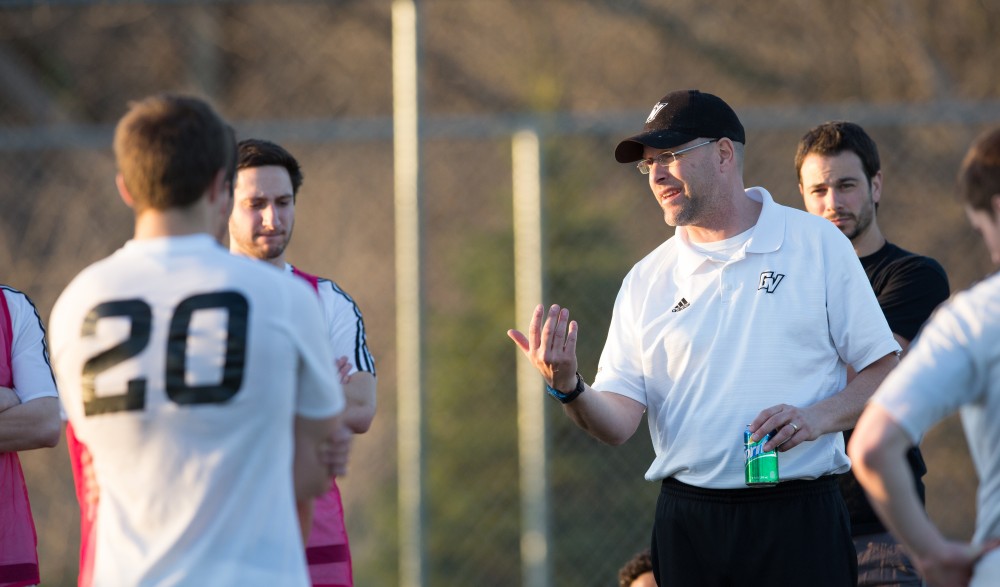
954 365
706 345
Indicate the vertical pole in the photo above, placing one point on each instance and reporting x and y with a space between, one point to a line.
409 294
529 290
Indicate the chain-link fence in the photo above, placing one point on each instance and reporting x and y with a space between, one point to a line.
316 77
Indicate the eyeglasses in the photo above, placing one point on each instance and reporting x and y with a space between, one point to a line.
666 157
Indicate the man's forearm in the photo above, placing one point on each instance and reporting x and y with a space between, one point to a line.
360 395
609 417
841 411
30 425
311 476
878 454
8 398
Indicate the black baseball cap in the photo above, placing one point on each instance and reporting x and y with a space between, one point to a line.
680 117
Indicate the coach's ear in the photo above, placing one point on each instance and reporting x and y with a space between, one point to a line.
123 191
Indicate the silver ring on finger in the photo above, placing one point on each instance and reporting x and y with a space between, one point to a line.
794 427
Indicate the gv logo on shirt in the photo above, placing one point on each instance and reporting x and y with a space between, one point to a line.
769 281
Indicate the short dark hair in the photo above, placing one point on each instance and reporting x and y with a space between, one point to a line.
262 153
637 565
835 137
169 148
979 175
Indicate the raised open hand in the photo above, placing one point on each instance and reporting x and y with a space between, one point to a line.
551 346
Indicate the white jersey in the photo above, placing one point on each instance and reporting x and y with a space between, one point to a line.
954 365
176 359
707 338
344 324
29 358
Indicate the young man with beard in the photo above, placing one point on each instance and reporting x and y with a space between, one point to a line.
953 367
840 179
168 353
746 318
267 184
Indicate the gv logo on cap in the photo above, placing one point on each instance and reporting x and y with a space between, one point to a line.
659 106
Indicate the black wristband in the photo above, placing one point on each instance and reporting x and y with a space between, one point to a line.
567 397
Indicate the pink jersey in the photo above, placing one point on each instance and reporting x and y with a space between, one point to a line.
86 496
327 550
18 541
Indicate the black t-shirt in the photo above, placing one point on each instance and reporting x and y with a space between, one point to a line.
908 288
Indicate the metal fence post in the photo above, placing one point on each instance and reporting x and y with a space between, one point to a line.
409 294
529 290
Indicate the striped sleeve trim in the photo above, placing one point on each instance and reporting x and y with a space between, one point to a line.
41 326
363 359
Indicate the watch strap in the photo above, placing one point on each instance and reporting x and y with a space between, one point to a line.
567 397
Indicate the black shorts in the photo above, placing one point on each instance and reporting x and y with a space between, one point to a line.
797 533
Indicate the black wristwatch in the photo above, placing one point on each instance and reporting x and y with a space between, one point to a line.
567 397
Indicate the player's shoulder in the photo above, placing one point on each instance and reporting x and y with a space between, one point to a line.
971 315
97 270
91 277
983 296
248 266
333 288
18 302
13 295
283 300
274 278
328 289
